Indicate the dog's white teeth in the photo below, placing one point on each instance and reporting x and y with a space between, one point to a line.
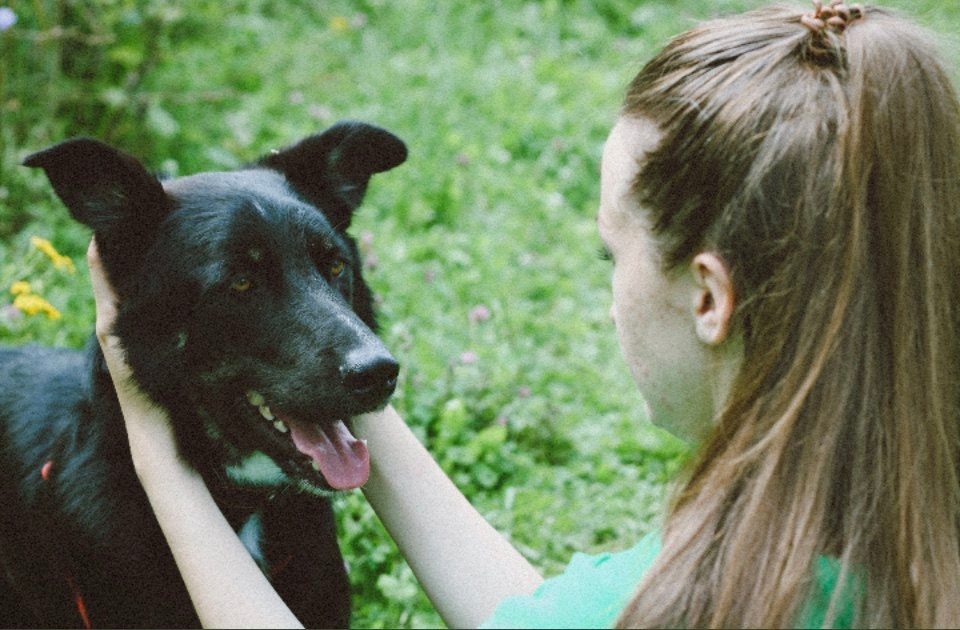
280 426
315 465
255 398
266 413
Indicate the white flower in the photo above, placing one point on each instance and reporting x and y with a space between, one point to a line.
7 18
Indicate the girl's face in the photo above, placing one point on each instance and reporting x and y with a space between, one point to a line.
654 312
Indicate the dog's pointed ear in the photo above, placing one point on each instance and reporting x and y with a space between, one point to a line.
109 191
331 170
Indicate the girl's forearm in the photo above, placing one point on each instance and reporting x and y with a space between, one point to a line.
226 586
465 566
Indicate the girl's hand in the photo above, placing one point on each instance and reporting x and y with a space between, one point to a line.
106 301
148 428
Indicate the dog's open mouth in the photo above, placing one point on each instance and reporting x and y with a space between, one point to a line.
328 447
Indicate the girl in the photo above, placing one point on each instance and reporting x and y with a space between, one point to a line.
780 198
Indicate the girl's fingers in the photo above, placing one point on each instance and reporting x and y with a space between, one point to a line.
103 294
106 301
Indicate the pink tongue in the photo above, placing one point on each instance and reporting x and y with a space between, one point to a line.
343 459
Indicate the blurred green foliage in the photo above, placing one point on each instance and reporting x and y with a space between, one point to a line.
481 247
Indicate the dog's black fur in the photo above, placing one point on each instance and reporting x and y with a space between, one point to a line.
228 283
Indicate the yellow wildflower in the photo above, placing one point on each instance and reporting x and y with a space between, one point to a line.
32 304
20 287
339 23
59 260
65 263
44 246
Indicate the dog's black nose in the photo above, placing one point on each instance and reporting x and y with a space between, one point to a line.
370 374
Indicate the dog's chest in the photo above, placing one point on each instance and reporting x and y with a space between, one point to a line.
251 535
245 508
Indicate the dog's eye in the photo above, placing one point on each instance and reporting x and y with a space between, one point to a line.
337 267
241 284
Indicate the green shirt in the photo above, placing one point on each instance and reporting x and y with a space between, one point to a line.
592 591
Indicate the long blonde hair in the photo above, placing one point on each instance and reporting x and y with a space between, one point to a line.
824 167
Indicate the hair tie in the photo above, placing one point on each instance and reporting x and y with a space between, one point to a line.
836 15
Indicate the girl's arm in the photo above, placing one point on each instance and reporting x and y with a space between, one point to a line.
226 587
465 566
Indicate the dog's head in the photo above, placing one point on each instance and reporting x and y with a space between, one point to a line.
242 306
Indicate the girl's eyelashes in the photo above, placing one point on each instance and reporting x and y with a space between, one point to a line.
604 254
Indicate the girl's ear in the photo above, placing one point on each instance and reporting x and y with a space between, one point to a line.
714 301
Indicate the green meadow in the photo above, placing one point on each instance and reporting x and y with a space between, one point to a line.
482 247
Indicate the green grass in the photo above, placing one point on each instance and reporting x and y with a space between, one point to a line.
481 247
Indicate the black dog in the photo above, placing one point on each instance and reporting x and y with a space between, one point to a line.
244 314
